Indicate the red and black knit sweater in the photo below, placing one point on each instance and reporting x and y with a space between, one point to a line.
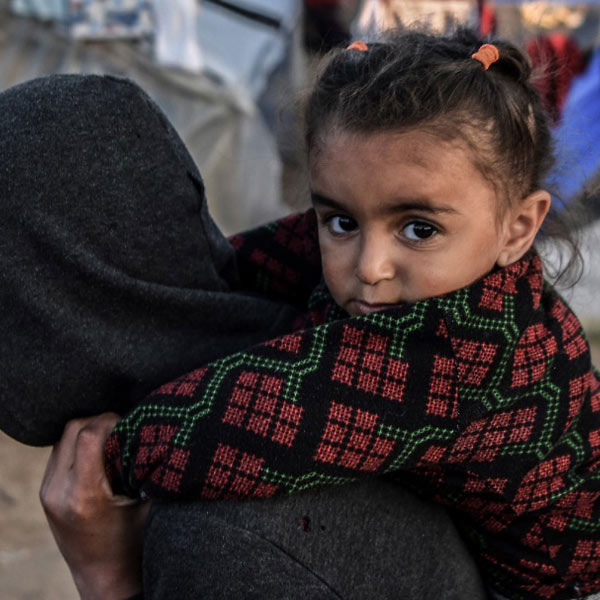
484 399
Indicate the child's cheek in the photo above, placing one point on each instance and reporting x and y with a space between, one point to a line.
336 271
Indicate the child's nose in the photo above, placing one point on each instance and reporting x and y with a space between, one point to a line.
375 262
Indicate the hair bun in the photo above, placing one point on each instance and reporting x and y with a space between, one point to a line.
512 63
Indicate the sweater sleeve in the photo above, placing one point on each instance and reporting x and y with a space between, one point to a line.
280 260
353 397
449 390
485 399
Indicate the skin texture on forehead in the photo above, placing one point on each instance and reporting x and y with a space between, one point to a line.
459 129
336 137
373 192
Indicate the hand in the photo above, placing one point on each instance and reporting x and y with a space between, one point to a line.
98 533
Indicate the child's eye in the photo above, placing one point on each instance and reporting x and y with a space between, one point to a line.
339 224
417 231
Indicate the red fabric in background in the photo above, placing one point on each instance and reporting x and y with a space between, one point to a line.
558 59
487 19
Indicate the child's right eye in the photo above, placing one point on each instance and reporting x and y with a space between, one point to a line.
419 231
339 224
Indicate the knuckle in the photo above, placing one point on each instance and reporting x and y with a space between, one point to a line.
60 504
108 420
76 508
73 426
73 508
101 425
43 493
50 505
44 499
87 436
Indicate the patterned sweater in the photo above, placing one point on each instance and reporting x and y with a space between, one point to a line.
483 399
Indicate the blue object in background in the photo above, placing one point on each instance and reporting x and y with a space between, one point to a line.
108 19
577 136
55 10
92 19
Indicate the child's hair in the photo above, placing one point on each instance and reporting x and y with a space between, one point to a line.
414 79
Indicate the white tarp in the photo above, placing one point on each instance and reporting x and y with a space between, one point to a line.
584 296
375 16
224 130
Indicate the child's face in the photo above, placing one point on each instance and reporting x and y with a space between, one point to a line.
402 217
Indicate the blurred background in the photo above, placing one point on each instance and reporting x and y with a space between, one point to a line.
230 74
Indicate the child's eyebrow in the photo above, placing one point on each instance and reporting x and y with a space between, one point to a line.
324 201
419 204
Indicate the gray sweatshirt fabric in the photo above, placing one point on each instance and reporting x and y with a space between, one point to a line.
370 540
113 276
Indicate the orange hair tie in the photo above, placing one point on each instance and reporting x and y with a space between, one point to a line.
359 45
487 55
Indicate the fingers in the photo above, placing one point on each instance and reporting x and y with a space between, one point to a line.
98 533
77 462
48 474
61 457
88 458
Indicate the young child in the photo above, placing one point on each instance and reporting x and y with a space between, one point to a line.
433 350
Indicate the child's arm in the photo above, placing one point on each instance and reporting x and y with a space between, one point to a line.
471 393
346 399
280 260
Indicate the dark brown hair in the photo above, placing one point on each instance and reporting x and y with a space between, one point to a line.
415 79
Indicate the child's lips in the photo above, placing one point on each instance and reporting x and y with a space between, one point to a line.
364 308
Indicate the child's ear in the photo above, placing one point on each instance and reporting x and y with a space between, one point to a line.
521 226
